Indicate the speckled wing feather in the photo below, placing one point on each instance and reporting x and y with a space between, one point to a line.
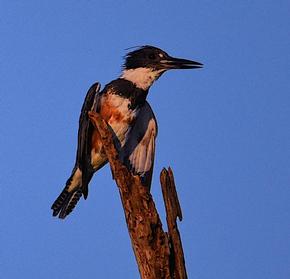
83 160
77 184
139 149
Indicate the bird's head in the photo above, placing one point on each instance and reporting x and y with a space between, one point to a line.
147 63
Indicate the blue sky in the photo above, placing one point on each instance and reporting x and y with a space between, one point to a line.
223 129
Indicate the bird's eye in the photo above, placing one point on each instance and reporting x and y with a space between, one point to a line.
152 56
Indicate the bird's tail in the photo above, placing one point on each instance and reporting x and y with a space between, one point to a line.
69 197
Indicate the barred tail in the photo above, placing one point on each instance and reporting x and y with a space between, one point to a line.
69 197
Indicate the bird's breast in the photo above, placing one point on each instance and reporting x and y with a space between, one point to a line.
116 110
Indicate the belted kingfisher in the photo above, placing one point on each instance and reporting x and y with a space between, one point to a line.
122 104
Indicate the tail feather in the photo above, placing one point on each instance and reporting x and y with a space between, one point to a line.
58 203
71 204
68 198
66 202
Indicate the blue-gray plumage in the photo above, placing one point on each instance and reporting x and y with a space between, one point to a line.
122 103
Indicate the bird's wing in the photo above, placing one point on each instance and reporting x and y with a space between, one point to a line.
83 160
139 149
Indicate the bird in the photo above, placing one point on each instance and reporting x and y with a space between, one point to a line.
122 104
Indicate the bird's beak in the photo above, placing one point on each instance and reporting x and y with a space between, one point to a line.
178 63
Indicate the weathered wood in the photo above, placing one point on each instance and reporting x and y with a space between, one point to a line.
173 210
151 245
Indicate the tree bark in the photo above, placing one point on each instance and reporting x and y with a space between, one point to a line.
158 254
173 210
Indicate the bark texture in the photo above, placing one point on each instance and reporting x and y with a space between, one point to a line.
158 254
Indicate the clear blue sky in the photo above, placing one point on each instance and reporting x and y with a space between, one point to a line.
223 129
